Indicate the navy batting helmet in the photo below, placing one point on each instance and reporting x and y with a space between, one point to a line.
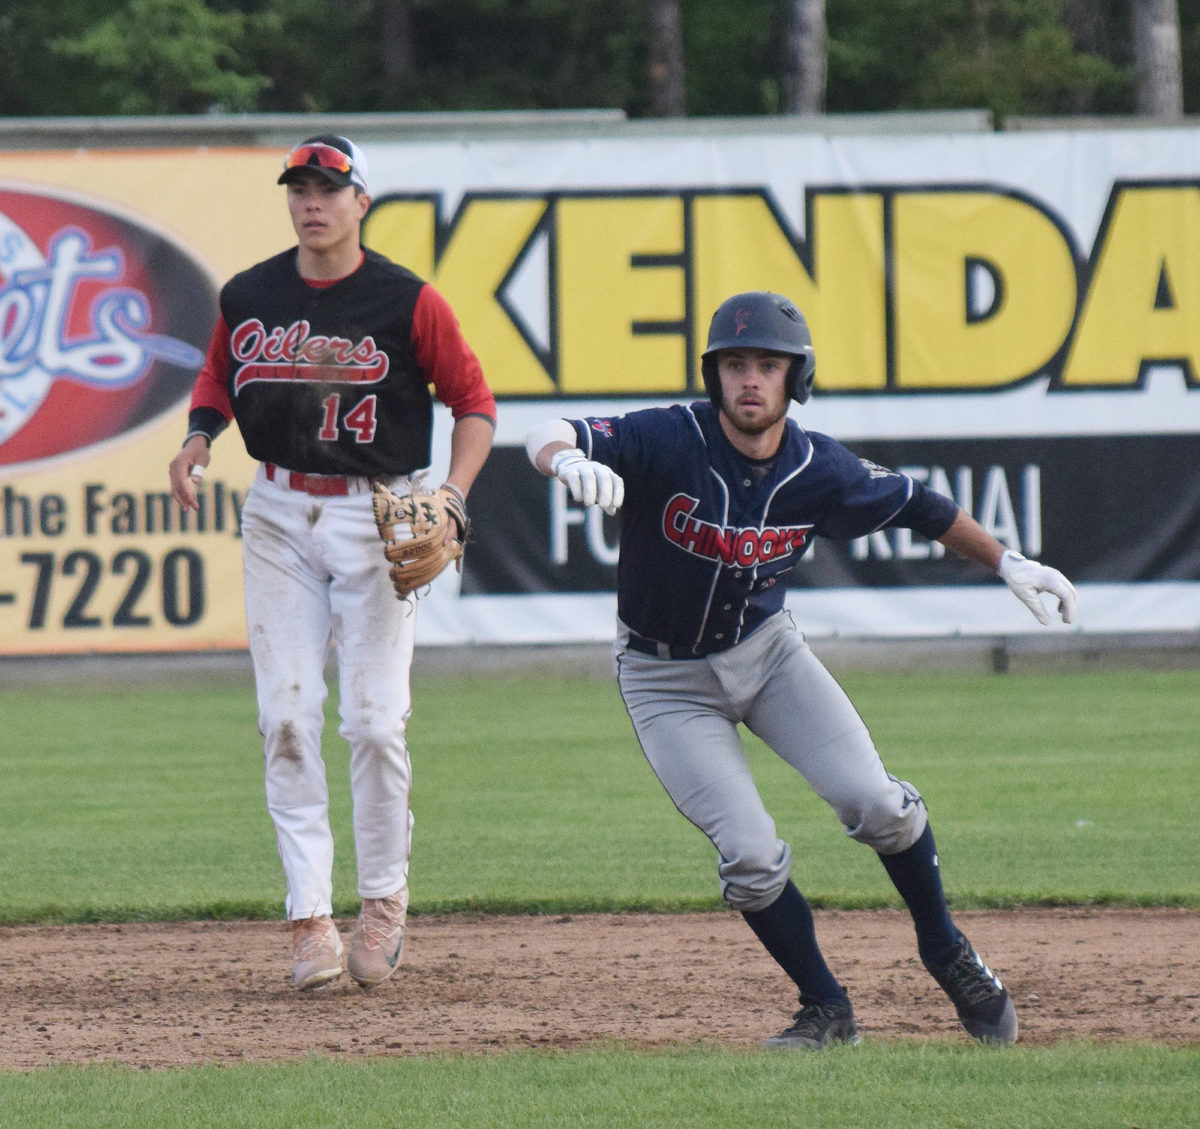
759 319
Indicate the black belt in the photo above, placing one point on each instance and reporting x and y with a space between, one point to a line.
661 651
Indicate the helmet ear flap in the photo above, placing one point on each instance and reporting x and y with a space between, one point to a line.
712 379
801 375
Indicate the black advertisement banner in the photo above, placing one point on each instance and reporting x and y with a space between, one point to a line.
1103 509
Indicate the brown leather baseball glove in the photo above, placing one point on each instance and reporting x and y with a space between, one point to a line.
413 527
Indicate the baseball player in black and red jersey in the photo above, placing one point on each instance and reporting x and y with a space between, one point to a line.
718 501
324 355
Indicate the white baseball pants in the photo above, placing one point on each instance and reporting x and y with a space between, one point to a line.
315 573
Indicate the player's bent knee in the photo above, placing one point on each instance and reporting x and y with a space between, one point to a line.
887 830
749 883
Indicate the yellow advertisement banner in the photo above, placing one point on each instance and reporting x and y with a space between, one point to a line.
111 264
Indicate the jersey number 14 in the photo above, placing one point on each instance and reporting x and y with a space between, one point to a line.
360 419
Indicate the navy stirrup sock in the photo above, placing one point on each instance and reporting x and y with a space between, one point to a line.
915 874
786 931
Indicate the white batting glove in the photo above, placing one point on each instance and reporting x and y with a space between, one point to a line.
590 483
1029 579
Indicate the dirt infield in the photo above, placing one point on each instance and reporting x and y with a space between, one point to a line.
172 995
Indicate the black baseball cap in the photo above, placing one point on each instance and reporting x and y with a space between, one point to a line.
333 156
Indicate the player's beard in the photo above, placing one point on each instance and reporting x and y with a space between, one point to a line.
756 424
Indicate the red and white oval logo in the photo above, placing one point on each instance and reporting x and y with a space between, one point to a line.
103 324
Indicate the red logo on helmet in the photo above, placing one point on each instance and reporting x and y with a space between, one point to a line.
741 320
103 325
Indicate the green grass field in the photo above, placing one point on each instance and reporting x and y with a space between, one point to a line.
143 801
875 1087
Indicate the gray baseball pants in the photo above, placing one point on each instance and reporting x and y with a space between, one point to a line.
686 713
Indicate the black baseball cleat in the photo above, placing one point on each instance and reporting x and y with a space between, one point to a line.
980 999
817 1025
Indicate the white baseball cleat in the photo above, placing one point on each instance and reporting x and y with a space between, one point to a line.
316 953
378 939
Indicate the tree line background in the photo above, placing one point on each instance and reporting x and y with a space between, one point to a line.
649 58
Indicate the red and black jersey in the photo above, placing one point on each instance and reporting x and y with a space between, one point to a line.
335 378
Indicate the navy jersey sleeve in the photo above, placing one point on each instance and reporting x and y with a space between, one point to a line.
868 497
620 442
584 435
927 512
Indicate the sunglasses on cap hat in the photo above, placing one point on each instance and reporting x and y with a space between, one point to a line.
340 163
323 156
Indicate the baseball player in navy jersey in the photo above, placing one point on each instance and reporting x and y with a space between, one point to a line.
324 356
718 500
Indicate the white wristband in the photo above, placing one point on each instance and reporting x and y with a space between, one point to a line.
546 432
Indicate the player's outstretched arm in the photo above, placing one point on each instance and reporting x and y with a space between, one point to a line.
1027 579
551 448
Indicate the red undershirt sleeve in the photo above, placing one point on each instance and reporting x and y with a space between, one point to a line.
447 359
211 411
